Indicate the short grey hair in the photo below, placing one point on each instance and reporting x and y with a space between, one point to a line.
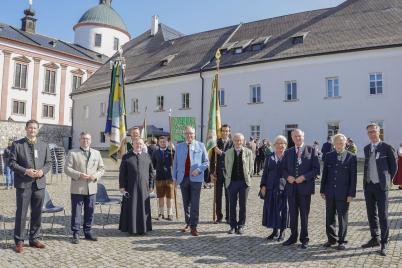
84 133
189 128
239 135
280 138
298 130
339 136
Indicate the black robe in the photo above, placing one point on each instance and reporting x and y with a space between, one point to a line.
136 177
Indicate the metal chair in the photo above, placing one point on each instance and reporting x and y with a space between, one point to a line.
102 198
49 207
4 228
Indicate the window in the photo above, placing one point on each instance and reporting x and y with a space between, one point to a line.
18 107
77 80
20 78
102 137
255 131
255 94
291 91
159 103
380 123
102 109
376 83
50 81
86 111
116 43
98 40
238 50
256 47
134 106
333 128
47 111
221 97
332 87
298 40
185 101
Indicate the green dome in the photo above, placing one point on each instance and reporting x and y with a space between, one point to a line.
104 14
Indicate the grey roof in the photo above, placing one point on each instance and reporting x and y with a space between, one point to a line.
353 25
12 33
104 14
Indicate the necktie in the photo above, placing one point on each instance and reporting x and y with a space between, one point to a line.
298 152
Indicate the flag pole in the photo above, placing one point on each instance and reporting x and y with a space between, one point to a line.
171 157
217 59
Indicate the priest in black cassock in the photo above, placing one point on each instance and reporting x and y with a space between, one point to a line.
136 182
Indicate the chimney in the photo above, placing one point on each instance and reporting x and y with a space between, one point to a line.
154 25
29 21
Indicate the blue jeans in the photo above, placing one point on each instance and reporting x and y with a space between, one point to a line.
9 177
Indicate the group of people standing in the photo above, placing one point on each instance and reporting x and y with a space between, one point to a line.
287 184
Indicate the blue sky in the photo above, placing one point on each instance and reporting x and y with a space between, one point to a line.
57 17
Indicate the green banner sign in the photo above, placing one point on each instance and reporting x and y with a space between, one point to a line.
178 124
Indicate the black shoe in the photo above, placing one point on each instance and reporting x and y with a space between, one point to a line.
160 217
329 244
281 237
304 245
169 218
273 236
289 242
232 231
371 244
341 246
91 237
240 231
383 250
218 221
76 239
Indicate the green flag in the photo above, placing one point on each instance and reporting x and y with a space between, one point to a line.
178 124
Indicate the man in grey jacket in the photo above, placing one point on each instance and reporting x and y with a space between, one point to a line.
85 167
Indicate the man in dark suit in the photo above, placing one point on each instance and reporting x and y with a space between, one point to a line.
300 167
223 144
379 169
338 188
30 160
327 147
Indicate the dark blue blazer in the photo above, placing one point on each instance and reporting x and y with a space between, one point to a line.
326 148
310 168
386 164
339 178
272 174
163 166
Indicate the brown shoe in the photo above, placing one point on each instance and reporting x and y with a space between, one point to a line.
194 232
185 229
36 244
19 248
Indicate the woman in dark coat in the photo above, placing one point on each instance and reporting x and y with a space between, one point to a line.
272 190
136 181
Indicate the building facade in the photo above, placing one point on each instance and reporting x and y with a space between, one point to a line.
272 80
38 74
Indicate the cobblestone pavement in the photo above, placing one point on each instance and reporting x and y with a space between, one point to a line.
165 246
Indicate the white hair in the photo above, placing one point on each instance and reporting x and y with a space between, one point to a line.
239 135
298 130
189 128
339 136
280 138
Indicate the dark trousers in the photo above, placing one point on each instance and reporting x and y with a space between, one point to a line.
191 192
220 188
238 190
299 203
336 207
25 197
377 208
77 201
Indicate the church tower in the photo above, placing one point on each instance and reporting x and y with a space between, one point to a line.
101 29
